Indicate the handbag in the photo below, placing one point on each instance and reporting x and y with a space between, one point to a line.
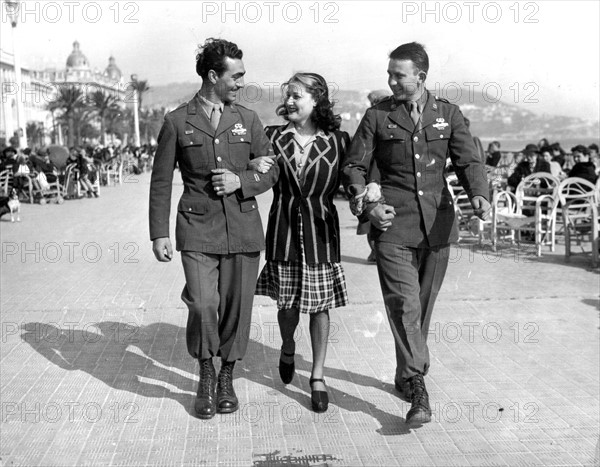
43 181
23 169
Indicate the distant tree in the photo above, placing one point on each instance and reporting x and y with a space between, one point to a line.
102 104
69 100
141 86
150 122
35 134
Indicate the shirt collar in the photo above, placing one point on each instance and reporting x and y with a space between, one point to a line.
208 105
290 128
421 101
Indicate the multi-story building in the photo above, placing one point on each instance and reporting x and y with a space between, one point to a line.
39 88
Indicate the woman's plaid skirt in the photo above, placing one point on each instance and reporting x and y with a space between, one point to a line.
311 288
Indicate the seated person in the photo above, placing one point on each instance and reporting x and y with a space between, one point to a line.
22 169
9 158
494 154
555 168
583 168
79 157
531 164
594 156
47 167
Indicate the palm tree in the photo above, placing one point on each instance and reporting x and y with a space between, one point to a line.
141 86
35 133
103 104
68 99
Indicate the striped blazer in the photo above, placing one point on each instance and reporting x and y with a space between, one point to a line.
313 199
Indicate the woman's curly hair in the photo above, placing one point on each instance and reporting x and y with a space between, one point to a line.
322 115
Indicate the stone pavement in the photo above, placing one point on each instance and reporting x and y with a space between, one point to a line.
94 368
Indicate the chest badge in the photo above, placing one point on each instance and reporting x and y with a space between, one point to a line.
440 124
391 125
239 130
189 132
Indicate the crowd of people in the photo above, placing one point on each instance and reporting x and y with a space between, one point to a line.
36 170
582 162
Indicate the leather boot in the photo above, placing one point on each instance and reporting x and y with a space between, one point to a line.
227 401
403 387
420 411
205 404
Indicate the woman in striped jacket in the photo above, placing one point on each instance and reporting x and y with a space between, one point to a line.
303 271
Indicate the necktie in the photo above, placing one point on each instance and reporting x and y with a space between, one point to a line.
215 116
414 113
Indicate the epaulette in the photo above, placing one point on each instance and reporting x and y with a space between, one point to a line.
441 99
382 100
184 104
236 104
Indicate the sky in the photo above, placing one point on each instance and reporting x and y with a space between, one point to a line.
542 55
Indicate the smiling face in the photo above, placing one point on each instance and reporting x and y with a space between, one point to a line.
405 80
299 103
231 80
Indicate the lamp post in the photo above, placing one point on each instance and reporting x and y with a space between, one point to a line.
12 10
136 118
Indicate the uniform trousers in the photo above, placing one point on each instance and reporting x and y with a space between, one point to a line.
219 292
410 280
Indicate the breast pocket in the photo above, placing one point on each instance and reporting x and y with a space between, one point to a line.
194 157
239 149
440 135
392 147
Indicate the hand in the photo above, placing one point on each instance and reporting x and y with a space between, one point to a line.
381 216
373 192
225 182
357 203
261 164
481 207
163 250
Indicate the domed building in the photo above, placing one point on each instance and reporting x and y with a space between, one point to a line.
112 71
78 66
78 72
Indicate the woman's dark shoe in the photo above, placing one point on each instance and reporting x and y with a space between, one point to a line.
286 370
319 399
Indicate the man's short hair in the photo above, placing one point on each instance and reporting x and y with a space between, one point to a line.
581 148
211 56
412 51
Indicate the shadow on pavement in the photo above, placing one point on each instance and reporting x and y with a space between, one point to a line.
390 424
129 358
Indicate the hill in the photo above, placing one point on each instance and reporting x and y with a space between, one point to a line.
489 120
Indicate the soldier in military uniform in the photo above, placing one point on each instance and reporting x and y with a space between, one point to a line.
410 135
219 231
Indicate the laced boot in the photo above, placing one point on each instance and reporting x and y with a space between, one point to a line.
227 401
403 387
205 404
420 411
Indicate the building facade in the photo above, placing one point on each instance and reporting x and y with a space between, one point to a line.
39 89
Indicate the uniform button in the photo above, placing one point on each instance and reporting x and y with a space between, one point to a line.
417 156
189 209
441 136
415 139
241 139
219 159
217 141
420 192
254 206
418 174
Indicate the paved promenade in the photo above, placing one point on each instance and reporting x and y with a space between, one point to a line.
94 367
